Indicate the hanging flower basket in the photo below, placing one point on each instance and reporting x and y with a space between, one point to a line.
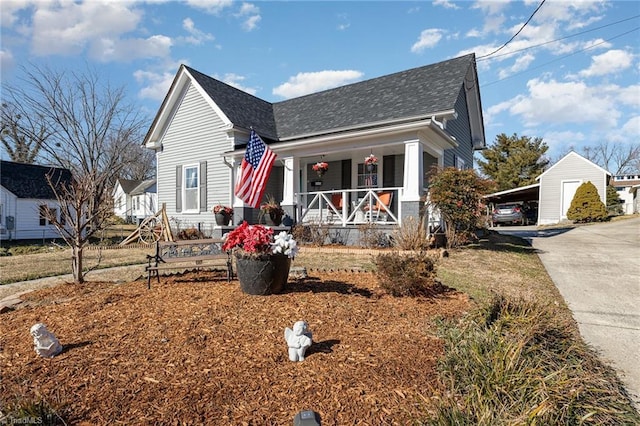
320 168
371 160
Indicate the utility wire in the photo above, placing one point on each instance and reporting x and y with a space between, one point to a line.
557 39
561 58
516 34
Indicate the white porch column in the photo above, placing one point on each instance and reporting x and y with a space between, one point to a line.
413 171
291 184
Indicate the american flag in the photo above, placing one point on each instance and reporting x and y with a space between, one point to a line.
255 171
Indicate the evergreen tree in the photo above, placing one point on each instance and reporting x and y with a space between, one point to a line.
514 161
613 200
586 205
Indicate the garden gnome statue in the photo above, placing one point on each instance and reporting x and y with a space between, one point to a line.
45 343
298 340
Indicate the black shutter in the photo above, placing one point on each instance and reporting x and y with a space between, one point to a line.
178 189
203 186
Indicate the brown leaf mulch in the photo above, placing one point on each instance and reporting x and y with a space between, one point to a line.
196 350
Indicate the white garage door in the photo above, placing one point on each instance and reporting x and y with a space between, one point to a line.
568 191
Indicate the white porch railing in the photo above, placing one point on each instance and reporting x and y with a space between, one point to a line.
358 206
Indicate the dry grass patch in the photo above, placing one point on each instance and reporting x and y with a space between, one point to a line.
58 262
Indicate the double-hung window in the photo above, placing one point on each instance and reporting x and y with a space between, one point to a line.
191 189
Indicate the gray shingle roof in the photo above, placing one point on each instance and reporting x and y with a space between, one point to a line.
416 92
243 109
128 185
143 186
29 180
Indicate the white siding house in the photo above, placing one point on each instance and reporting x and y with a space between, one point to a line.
135 200
410 120
24 193
558 185
624 185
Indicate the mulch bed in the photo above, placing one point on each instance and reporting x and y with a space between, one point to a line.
196 350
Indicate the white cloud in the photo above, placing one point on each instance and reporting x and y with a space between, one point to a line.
156 85
197 37
7 61
491 7
107 50
629 95
210 6
521 64
67 28
553 102
9 10
310 82
610 62
344 21
428 38
561 141
632 127
251 15
446 4
236 80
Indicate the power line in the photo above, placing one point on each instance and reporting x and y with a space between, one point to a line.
516 34
561 58
484 58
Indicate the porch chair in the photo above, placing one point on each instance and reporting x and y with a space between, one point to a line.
336 200
380 208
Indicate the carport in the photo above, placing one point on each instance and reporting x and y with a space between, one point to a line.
527 195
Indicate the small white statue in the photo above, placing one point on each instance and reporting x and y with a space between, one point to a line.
44 342
298 340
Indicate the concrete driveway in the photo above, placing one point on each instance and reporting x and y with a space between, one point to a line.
597 270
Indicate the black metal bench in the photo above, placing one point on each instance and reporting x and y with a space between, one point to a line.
201 253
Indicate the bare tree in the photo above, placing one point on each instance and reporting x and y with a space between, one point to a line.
140 163
617 158
76 200
22 135
90 126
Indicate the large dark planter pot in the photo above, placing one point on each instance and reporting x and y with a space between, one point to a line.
222 219
273 219
266 274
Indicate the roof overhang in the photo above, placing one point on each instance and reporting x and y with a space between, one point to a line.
523 193
341 140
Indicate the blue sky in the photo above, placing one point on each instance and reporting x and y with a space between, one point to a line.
570 77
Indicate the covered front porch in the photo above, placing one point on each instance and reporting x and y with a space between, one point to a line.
367 176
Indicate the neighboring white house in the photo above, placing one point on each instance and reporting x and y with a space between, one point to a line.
135 200
24 196
410 120
624 185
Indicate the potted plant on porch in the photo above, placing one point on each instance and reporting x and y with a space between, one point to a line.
272 211
222 214
262 261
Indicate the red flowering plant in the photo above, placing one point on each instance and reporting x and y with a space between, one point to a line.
222 209
371 160
320 166
258 241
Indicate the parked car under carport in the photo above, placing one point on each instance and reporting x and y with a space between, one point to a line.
513 213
